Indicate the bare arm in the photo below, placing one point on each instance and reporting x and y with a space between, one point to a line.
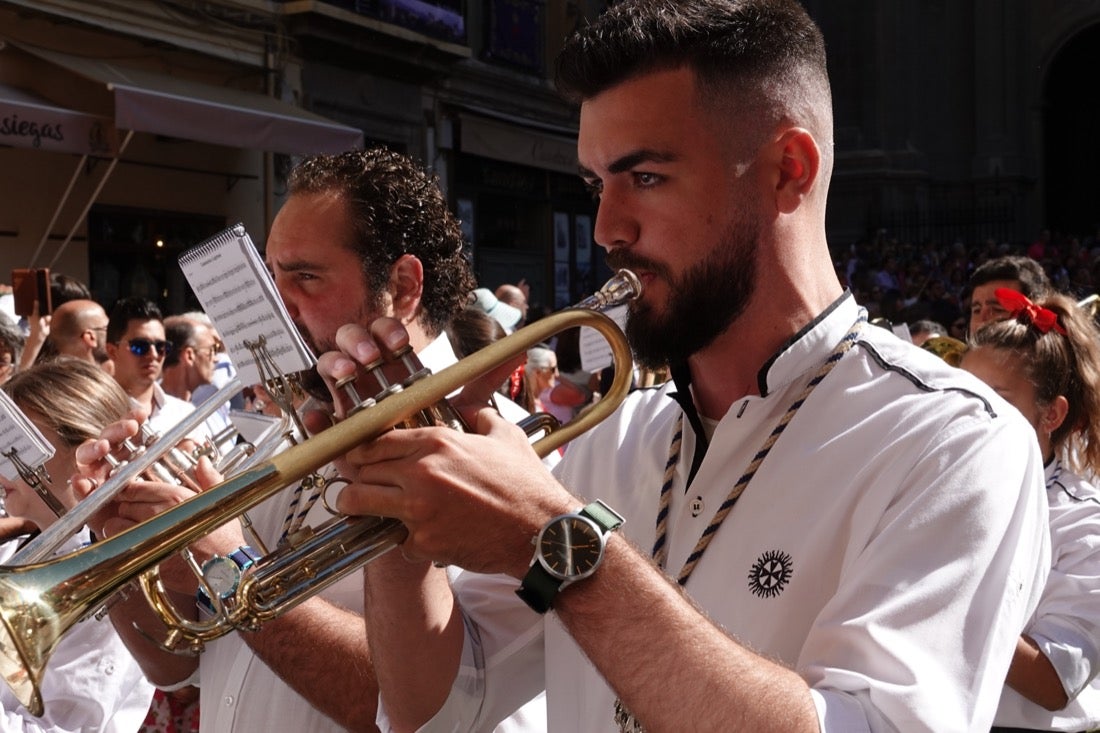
413 612
1033 676
321 651
162 668
653 646
36 338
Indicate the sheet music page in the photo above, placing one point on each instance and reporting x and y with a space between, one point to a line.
253 426
595 351
18 432
237 292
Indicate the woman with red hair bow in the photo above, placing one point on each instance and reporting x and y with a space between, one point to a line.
1045 361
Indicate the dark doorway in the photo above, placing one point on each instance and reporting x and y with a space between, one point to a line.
1072 157
135 252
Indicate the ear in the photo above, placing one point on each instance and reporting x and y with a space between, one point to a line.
1054 414
799 165
406 287
88 337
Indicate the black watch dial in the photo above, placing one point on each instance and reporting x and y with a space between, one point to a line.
570 547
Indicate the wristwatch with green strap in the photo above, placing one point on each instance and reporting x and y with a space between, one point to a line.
569 548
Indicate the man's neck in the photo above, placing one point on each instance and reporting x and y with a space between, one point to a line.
729 368
174 382
419 335
143 395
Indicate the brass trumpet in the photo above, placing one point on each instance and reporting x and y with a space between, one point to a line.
40 602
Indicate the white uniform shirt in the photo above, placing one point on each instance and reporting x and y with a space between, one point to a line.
169 411
91 681
240 693
1066 625
902 507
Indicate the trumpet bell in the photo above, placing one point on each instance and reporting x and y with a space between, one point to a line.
31 625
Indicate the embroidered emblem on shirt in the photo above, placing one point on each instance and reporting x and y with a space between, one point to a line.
770 574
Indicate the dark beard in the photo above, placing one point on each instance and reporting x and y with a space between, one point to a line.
703 303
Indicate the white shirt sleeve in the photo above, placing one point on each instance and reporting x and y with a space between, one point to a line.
1066 626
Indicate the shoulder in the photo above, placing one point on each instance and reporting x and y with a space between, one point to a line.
894 375
1072 495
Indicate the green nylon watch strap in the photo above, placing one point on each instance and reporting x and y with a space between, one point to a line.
603 515
539 588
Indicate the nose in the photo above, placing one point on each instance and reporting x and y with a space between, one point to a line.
615 225
291 306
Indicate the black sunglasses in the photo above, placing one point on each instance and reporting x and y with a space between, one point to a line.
141 347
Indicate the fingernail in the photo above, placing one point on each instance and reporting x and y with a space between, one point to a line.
366 352
395 340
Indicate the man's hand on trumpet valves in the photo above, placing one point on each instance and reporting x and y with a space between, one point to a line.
474 500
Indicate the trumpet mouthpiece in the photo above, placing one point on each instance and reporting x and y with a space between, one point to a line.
623 287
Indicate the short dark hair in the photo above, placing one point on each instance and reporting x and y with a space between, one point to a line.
64 288
130 309
181 332
730 44
397 208
1033 280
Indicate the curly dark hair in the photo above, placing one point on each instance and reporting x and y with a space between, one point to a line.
397 208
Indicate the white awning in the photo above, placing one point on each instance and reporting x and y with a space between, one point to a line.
147 101
29 121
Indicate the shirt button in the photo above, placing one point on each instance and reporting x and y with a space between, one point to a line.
228 700
696 506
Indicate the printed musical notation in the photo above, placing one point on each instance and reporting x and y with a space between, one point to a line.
237 292
595 351
19 433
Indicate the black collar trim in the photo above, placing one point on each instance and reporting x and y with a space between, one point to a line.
762 375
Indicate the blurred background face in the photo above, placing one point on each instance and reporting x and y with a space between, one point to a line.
132 371
984 306
22 501
7 365
547 377
206 349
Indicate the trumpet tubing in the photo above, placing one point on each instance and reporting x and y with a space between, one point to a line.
39 602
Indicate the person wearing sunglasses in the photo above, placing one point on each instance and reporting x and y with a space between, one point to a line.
137 346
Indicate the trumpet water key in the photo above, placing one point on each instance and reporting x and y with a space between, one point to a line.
40 602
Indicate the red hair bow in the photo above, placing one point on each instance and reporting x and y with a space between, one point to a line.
1016 303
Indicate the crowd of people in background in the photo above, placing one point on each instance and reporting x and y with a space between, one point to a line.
908 282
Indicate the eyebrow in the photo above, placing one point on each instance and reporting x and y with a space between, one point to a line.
293 265
631 159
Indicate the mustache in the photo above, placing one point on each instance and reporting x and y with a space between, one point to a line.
620 259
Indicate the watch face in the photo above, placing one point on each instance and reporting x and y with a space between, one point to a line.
570 547
222 575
